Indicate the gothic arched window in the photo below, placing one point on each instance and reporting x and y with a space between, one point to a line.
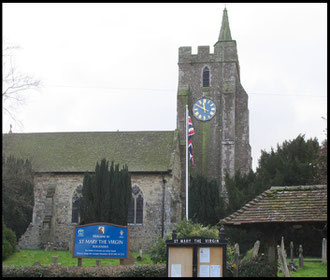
206 77
75 205
135 210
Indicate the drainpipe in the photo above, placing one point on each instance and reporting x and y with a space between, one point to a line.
163 205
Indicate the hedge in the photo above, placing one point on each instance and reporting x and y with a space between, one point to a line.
147 270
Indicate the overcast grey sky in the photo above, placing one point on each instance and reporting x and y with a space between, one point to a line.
106 67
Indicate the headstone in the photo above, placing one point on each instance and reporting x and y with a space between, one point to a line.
48 247
256 249
236 259
324 251
292 265
139 258
301 258
54 260
36 264
282 260
283 248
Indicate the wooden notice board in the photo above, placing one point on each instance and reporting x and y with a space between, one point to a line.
180 262
196 256
210 262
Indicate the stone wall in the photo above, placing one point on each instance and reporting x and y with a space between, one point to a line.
52 213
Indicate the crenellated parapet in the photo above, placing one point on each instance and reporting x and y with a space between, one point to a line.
224 51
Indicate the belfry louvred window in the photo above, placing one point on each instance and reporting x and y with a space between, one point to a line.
135 210
206 77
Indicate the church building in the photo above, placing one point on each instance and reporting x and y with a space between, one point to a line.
209 86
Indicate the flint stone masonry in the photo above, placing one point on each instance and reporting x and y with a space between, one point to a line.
61 227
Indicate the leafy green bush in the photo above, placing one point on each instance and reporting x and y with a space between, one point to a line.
96 271
158 251
146 270
248 255
256 267
8 241
184 229
59 271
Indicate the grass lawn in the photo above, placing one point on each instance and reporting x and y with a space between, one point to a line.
311 269
29 257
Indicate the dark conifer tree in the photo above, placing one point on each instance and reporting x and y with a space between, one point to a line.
106 195
205 206
17 194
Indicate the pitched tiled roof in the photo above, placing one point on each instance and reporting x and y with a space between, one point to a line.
283 204
142 151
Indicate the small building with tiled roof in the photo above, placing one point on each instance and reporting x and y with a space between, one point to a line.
279 207
60 160
296 204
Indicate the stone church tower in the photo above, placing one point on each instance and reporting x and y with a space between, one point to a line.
209 83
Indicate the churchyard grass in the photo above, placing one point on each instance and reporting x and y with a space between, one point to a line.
27 257
310 269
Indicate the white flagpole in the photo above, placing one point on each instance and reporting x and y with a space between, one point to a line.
187 161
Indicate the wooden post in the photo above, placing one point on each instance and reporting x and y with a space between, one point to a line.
79 261
301 258
54 260
282 259
98 262
236 259
256 249
324 251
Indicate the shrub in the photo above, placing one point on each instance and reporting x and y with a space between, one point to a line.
8 241
158 251
184 229
256 267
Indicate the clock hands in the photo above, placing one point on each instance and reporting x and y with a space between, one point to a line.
202 107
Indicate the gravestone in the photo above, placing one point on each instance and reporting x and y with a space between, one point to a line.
292 265
282 260
301 258
139 258
283 248
54 260
256 249
236 259
324 251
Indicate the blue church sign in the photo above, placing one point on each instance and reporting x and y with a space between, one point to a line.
100 240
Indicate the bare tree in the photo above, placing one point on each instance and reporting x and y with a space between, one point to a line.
14 83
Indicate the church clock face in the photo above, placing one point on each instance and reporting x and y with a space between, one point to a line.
204 109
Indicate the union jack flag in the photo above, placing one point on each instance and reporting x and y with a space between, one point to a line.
191 132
